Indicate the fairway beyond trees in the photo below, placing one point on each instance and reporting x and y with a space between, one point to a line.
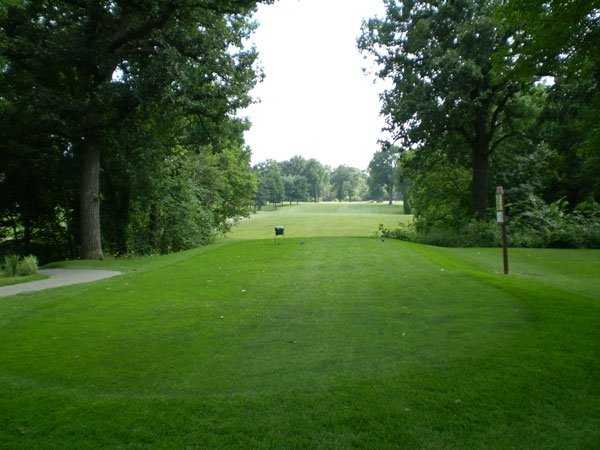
330 338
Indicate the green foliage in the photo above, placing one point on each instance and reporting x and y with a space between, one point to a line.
569 127
475 233
28 265
382 174
227 183
271 186
299 180
10 265
134 84
439 197
317 177
469 104
556 35
13 265
532 223
404 180
538 224
454 83
348 183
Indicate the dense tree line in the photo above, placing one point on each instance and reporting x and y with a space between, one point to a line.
302 180
487 93
118 123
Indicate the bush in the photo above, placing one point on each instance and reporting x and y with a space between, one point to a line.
538 224
11 263
534 223
473 234
27 266
440 201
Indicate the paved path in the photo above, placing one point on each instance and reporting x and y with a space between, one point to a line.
58 278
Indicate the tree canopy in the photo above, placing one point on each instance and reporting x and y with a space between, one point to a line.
104 102
491 92
382 174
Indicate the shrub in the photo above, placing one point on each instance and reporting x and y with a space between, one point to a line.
538 224
403 233
27 266
473 234
440 201
534 223
11 263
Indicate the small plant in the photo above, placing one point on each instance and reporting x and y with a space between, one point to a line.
27 266
10 266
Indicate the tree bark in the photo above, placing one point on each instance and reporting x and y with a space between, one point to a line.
406 203
480 163
479 187
91 241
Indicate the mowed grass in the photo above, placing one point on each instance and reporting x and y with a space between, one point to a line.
323 219
316 342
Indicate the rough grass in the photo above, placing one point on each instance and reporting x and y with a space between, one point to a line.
5 281
322 342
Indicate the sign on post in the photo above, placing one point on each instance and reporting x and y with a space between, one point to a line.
279 231
500 204
501 219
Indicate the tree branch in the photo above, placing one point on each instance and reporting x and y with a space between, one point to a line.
463 132
128 35
499 109
505 137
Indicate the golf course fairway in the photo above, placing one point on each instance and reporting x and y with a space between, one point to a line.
328 338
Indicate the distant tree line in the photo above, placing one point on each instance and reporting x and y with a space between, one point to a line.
486 93
118 124
307 180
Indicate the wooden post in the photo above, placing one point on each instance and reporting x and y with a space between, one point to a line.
501 219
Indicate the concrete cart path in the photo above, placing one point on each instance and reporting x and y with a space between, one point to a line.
58 278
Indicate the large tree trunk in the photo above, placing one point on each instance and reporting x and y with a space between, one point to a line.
391 194
406 204
479 187
481 162
89 196
403 188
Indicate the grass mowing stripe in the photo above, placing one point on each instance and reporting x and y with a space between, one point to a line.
312 343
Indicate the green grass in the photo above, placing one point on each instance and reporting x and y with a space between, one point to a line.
316 342
6 281
324 219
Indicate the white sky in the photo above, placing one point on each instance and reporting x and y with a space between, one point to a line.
315 100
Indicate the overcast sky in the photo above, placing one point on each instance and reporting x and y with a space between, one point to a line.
315 100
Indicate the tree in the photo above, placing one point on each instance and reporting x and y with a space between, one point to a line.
455 81
271 186
301 188
556 35
289 188
62 59
348 183
316 176
404 180
296 183
295 187
375 191
559 40
294 166
382 171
